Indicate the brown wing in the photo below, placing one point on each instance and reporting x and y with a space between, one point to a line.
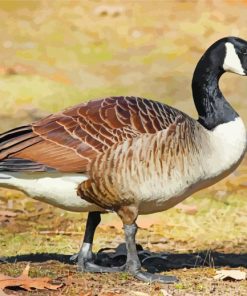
139 160
68 141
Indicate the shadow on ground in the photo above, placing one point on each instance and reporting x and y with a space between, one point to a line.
153 262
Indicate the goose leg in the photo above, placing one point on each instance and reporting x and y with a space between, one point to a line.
85 252
85 256
133 265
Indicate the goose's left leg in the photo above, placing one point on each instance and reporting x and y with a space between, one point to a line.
133 265
85 253
85 256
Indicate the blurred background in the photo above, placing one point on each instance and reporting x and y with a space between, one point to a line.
58 53
54 54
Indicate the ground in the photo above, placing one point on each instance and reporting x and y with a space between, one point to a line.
56 54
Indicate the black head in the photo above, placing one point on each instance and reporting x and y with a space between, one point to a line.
230 54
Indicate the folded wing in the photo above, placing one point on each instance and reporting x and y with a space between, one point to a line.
68 141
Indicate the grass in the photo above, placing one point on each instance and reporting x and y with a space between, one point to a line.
219 224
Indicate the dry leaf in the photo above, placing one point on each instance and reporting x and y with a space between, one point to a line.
232 274
187 209
25 282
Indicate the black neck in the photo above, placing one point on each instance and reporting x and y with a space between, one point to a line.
212 107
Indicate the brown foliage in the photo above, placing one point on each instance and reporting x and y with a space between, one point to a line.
27 283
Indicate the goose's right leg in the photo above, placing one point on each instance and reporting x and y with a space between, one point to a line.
129 214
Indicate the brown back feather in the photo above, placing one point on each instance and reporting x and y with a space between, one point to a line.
68 141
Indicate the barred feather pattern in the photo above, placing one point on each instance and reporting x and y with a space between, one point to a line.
151 168
68 141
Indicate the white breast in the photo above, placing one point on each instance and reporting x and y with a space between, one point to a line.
228 145
219 153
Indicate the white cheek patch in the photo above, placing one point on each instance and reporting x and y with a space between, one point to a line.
232 62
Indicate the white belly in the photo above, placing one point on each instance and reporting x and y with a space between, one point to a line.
56 189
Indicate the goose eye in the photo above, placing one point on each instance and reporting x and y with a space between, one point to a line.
244 51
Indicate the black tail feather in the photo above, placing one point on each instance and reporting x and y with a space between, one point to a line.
23 165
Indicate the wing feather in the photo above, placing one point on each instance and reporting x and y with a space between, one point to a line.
68 141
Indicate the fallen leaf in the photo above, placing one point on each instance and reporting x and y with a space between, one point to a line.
187 209
25 282
231 274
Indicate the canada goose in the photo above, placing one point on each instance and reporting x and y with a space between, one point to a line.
130 155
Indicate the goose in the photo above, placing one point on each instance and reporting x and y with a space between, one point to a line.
130 155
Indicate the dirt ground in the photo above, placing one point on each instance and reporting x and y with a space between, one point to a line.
58 53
